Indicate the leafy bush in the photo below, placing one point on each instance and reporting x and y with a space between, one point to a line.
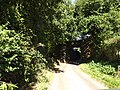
7 86
19 62
106 69
102 72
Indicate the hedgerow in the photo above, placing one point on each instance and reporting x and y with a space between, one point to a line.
19 61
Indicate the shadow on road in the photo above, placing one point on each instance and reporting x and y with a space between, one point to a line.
57 70
73 62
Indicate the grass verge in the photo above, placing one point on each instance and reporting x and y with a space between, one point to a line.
44 80
103 73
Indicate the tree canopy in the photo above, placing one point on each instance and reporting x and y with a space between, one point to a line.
30 31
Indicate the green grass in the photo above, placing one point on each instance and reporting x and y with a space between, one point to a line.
97 71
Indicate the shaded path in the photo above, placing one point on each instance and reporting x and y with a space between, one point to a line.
73 79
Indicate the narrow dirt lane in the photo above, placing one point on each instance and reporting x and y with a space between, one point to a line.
71 78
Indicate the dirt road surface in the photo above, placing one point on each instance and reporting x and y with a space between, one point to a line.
70 77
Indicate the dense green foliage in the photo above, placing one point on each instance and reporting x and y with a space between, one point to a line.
111 49
25 30
65 21
103 72
7 86
100 19
17 59
30 31
31 18
106 69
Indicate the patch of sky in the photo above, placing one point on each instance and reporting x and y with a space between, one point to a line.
73 1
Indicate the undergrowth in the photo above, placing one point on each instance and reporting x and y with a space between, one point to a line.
104 73
19 61
44 81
